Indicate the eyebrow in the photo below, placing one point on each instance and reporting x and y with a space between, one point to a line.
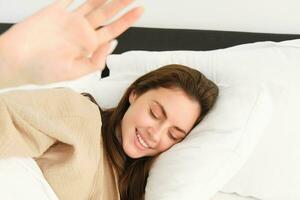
165 114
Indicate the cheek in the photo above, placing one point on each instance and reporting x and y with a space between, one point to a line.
138 117
165 145
134 118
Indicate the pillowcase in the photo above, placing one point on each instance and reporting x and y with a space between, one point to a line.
261 61
272 171
276 65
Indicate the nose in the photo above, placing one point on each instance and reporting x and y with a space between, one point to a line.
155 133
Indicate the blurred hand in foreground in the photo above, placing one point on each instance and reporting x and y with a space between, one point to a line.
55 44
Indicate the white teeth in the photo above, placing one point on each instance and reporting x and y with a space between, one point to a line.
142 141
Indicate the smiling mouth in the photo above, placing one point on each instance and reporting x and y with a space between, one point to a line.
141 141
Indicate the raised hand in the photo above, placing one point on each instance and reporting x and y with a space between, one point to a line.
55 44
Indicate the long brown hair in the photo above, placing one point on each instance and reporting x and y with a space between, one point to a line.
133 173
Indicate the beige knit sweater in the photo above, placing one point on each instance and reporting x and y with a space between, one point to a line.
61 130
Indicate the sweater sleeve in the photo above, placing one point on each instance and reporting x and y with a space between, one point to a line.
32 121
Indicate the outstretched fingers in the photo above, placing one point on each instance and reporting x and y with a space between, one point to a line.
114 29
85 65
99 56
89 6
63 3
102 14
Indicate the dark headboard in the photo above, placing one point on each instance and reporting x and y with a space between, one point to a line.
156 39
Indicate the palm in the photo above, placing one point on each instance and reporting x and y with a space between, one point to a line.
59 41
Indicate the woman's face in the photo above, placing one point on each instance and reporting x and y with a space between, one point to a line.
156 120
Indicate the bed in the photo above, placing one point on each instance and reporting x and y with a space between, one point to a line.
152 39
156 39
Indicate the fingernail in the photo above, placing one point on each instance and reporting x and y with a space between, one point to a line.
113 45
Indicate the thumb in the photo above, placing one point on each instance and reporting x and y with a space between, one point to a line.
86 65
99 56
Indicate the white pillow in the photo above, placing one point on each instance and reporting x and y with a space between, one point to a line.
261 61
272 171
276 64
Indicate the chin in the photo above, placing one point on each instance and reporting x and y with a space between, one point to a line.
130 152
133 156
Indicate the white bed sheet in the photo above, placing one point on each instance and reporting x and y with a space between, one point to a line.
230 196
21 178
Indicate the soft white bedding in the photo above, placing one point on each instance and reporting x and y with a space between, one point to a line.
21 178
278 148
231 196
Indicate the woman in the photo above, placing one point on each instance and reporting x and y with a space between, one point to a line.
81 159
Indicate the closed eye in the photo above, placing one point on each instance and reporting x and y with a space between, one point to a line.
152 114
173 138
